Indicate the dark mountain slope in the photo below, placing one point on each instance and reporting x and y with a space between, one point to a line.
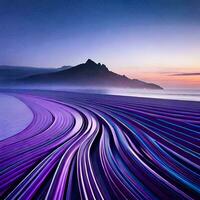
12 73
88 74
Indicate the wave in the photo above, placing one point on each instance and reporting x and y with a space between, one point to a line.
103 147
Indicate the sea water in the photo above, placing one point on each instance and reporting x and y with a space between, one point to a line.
175 94
14 116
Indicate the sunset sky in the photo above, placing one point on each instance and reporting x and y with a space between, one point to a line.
152 40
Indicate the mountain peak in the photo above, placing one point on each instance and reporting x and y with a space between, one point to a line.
91 62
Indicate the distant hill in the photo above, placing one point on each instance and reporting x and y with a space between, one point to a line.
11 73
85 74
17 72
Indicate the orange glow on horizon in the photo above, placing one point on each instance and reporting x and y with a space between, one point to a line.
166 80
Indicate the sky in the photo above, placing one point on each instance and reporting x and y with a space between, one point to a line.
152 40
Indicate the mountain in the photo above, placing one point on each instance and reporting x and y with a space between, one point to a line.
86 74
17 72
11 73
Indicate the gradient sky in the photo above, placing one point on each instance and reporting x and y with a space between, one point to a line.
152 40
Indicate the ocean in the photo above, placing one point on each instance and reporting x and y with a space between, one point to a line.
14 116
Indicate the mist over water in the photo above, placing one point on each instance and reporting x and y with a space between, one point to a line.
175 94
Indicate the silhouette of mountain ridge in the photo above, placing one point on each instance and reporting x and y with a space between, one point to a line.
88 74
